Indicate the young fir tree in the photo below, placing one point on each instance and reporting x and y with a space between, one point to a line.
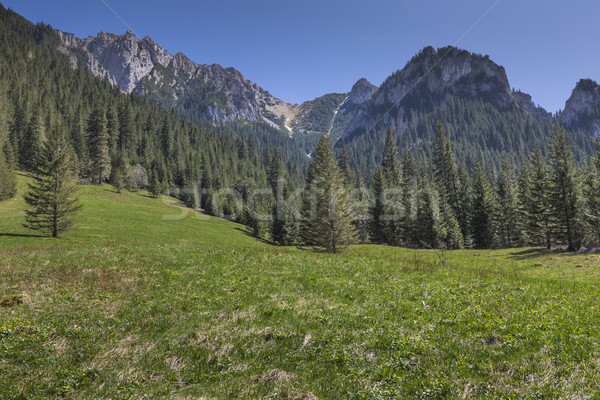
50 197
534 191
427 230
119 171
564 192
327 222
97 136
481 211
506 214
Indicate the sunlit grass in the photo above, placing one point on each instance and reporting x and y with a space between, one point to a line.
131 305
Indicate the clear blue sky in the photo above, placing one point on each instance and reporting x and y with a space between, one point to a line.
299 50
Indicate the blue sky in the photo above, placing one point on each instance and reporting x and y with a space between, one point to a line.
299 50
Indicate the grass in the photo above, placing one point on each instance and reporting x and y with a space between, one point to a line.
130 305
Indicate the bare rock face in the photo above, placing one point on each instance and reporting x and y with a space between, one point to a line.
141 66
362 91
525 103
124 60
428 80
582 109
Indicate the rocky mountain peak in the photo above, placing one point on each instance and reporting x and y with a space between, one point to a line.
582 109
427 81
525 103
362 91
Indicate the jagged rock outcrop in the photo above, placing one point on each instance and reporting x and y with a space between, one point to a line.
361 92
525 103
582 109
427 80
144 67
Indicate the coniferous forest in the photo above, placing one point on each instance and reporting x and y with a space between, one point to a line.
432 198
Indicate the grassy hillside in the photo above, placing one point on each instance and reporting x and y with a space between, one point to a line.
130 305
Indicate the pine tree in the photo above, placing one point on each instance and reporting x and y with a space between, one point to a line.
32 140
126 128
506 216
427 229
97 136
534 191
388 211
445 176
119 171
481 211
377 225
50 195
344 164
327 221
564 192
445 171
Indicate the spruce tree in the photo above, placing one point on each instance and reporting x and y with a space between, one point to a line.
327 222
126 128
377 224
427 230
119 171
32 140
97 136
506 214
344 163
445 176
445 171
388 211
564 192
481 211
534 191
50 197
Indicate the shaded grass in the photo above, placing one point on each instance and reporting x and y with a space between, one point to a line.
131 305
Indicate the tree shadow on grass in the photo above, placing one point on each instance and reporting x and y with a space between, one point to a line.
531 253
22 235
245 232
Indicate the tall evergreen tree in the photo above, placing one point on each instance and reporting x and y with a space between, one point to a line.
481 211
32 140
97 135
51 194
388 210
565 192
327 222
445 176
126 128
445 171
119 170
592 198
506 214
534 191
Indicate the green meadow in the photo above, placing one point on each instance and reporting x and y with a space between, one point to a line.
130 305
